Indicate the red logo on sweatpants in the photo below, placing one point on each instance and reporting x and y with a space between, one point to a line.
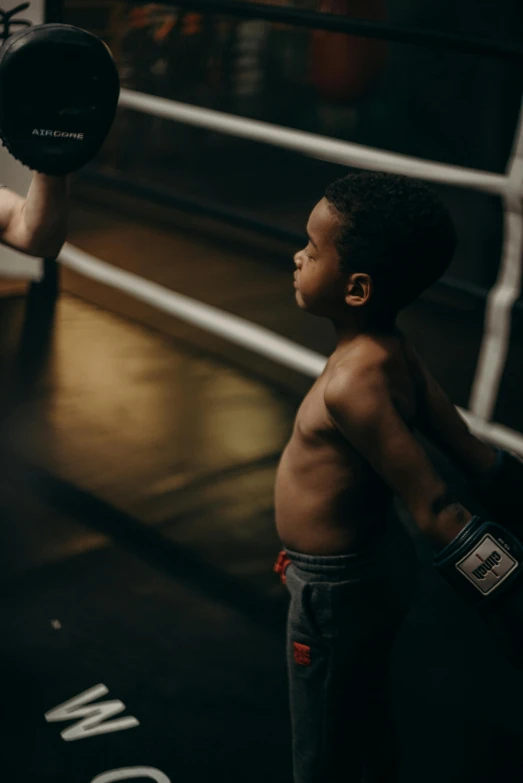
302 654
281 565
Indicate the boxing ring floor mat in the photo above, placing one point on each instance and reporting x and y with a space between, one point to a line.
119 571
137 547
98 588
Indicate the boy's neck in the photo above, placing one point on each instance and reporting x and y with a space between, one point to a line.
348 331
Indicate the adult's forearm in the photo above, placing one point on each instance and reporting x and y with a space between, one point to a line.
46 214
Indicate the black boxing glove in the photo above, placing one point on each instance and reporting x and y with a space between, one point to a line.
59 89
484 563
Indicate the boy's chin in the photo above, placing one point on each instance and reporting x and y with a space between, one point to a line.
300 301
307 307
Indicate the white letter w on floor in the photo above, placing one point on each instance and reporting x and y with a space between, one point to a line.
93 715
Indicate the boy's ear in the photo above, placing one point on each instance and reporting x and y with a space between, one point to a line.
359 289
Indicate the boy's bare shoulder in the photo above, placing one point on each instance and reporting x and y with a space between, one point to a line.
366 362
359 382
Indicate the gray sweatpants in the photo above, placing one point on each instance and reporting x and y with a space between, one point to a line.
343 616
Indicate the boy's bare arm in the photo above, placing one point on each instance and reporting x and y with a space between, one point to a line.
441 423
361 408
495 476
482 560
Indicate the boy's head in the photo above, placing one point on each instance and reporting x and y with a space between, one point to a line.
376 241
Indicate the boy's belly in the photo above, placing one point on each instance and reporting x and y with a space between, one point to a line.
325 507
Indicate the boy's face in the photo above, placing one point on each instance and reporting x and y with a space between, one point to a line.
318 278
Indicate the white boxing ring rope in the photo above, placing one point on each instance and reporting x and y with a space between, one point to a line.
315 146
505 292
240 331
231 327
496 334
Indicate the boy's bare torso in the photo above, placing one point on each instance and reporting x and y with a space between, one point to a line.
327 497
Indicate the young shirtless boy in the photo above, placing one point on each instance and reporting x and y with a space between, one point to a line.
376 241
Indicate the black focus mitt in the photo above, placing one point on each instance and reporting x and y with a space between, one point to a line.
59 89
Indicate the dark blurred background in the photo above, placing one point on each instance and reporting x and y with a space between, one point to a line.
421 100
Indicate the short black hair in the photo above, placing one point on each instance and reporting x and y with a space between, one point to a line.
396 230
